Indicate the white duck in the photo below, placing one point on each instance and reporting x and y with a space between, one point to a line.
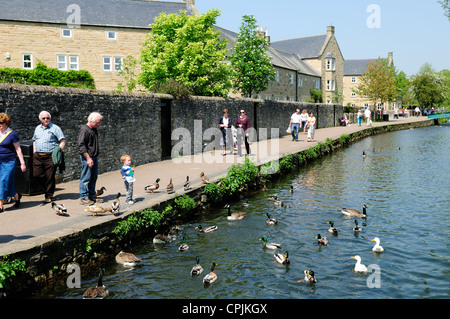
377 248
358 266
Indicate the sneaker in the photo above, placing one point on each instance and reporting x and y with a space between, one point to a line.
86 201
130 202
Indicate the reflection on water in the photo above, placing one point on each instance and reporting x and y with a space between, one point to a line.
406 190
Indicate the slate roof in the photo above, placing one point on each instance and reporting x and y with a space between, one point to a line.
114 13
308 47
356 67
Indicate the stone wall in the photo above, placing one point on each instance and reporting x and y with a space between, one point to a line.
140 125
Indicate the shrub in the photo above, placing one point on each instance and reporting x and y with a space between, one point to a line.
9 269
213 191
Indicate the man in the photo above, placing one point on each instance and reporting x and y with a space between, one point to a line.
47 136
295 122
367 114
88 149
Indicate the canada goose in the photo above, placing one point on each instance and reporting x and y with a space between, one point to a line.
127 259
197 269
355 213
212 276
235 216
99 291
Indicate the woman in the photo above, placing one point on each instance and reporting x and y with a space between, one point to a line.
311 126
360 116
9 147
304 118
225 127
242 125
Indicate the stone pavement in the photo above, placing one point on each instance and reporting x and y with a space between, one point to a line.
35 223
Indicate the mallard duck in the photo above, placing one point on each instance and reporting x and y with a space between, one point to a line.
377 248
355 213
205 180
364 154
245 204
358 266
322 241
115 205
197 269
275 200
270 245
207 229
212 276
96 209
187 184
282 258
235 216
99 192
357 228
152 187
332 229
169 187
161 239
60 209
271 221
183 246
99 291
127 259
309 277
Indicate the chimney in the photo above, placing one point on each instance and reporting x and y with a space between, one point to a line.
391 58
330 30
191 4
267 36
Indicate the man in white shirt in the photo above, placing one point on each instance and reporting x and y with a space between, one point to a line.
367 114
294 124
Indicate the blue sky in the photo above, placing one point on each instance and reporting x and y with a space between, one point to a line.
415 30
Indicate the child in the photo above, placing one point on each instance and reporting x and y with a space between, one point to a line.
127 173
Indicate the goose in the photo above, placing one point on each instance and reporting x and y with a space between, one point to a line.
161 239
322 241
197 269
115 205
187 184
357 228
60 209
152 187
270 245
364 154
183 246
169 187
358 266
282 258
309 276
99 291
96 209
99 192
271 221
332 229
212 276
291 190
127 259
205 180
355 213
235 216
377 248
207 229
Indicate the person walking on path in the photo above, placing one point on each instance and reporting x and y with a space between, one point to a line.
242 125
304 118
311 126
367 114
47 136
225 128
9 148
359 116
88 149
127 173
294 124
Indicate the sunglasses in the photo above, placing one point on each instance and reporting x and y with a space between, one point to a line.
2 122
46 118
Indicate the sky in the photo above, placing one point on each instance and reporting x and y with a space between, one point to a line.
416 31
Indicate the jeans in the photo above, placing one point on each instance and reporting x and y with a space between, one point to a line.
88 178
294 131
242 138
129 188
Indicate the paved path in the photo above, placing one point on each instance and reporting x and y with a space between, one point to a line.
35 223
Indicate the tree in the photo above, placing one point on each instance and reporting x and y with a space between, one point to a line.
251 65
378 82
446 6
186 49
429 88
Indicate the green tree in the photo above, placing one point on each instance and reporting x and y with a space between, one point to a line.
188 50
446 6
429 88
378 82
128 71
250 62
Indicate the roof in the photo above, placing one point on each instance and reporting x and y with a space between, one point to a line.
114 13
308 47
356 67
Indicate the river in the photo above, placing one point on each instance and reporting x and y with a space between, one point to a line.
404 180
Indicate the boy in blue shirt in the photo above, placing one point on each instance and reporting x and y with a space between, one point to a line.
127 173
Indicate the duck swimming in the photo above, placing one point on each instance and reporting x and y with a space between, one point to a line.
99 291
355 213
212 276
332 229
270 245
183 246
197 269
309 277
271 221
357 229
207 229
235 216
282 258
358 266
322 241
377 248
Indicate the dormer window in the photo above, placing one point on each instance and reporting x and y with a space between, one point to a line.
331 62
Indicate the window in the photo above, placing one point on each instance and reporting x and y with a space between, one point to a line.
331 85
73 62
118 63
353 94
277 76
331 65
317 84
107 63
111 35
276 98
300 81
353 79
66 33
267 98
27 61
112 63
291 78
61 62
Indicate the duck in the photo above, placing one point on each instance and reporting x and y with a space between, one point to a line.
332 229
275 200
245 203
99 291
212 276
291 189
187 184
357 228
322 241
197 269
271 221
377 248
100 191
161 239
264 189
152 187
96 209
270 245
355 213
282 258
309 276
207 229
205 180
127 259
60 209
235 216
364 154
183 246
358 266
115 205
169 187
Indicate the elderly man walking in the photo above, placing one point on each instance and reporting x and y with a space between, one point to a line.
47 136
